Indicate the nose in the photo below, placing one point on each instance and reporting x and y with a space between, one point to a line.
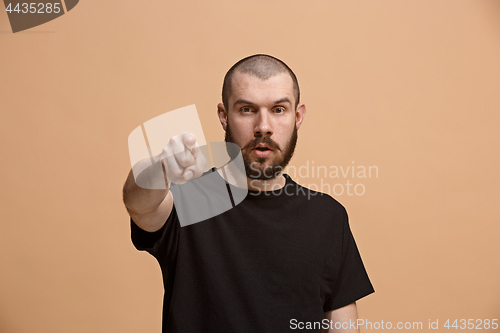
263 125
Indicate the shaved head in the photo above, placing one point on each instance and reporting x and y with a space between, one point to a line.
262 66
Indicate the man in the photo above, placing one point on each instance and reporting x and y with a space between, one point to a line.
284 258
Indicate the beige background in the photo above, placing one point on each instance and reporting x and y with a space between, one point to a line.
408 86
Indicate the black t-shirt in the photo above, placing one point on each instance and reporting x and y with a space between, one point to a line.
278 256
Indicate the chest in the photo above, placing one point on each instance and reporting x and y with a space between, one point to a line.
266 240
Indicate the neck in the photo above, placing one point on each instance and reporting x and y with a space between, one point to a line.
266 185
236 178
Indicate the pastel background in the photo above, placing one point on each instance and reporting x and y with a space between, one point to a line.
411 87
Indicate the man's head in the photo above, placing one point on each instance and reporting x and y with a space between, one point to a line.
261 113
261 66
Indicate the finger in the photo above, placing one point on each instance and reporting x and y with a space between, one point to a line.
183 156
189 140
185 159
188 174
190 143
172 168
198 168
195 151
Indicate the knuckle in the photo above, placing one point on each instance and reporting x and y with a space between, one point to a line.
175 174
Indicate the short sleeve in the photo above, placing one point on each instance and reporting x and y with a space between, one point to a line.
161 242
350 281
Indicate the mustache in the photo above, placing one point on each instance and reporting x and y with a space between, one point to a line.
263 139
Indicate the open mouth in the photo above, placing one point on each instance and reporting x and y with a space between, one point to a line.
262 151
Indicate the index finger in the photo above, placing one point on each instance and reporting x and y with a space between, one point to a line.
189 140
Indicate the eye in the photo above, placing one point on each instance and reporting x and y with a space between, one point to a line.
246 109
279 109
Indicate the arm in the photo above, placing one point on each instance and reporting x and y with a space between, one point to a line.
148 208
182 161
344 315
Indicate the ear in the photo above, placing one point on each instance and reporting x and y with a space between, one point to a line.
299 115
221 112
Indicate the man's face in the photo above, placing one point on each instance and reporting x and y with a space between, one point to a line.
261 120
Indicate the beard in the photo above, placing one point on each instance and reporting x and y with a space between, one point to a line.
258 169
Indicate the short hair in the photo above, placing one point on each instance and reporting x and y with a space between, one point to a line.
262 66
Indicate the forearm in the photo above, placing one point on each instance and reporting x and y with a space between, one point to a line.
148 196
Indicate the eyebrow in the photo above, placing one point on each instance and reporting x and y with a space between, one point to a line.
283 100
242 101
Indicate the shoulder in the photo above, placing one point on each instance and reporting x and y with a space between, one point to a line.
322 208
318 198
